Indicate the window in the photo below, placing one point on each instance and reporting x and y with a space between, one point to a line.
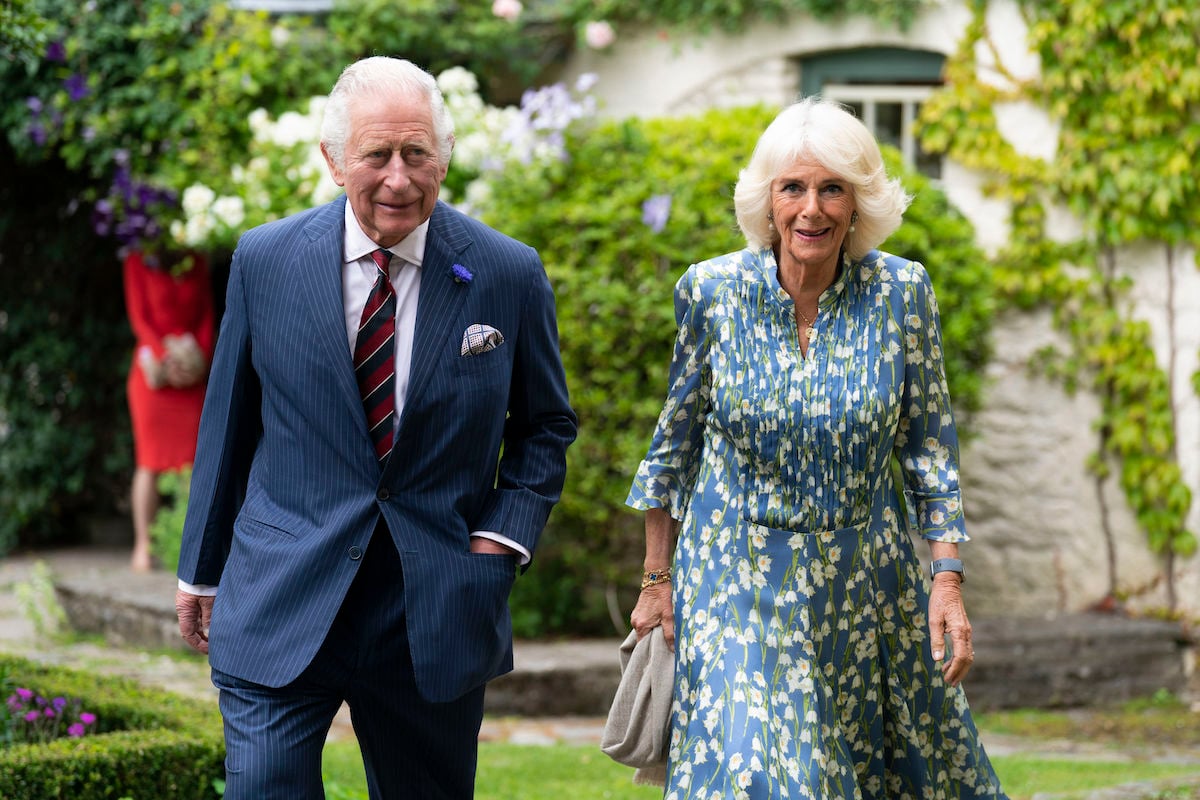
889 112
885 87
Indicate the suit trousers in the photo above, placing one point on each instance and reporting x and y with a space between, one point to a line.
412 749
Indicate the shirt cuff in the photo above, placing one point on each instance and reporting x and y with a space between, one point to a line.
523 555
201 589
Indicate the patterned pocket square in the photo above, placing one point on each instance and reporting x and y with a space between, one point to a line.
480 339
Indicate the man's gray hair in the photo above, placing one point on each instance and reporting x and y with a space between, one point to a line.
384 79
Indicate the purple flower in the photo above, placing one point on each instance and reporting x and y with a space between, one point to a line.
37 133
461 274
31 716
56 51
25 694
75 730
87 718
656 211
34 104
76 86
60 703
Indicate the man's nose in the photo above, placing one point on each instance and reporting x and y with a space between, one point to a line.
396 173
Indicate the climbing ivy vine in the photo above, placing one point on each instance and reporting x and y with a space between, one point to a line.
1122 81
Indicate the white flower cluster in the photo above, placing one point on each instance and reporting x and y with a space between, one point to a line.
490 140
205 214
284 174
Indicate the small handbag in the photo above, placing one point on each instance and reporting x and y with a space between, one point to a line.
637 730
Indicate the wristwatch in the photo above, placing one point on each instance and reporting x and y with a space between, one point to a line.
948 565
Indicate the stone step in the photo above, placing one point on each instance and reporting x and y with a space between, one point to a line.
1064 661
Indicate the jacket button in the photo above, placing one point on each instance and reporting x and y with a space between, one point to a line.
383 494
355 553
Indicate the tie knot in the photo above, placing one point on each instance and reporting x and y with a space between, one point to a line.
382 258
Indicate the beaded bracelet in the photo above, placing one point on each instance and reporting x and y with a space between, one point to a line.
654 577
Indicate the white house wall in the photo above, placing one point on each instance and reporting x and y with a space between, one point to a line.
1034 511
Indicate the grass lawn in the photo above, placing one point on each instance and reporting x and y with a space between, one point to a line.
582 772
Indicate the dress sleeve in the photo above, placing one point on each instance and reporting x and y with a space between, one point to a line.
927 442
667 476
204 317
137 305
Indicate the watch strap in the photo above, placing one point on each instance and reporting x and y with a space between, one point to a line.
947 565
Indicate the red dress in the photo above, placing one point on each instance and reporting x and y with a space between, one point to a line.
159 304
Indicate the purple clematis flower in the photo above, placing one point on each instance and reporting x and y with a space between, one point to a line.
56 51
76 86
461 274
656 211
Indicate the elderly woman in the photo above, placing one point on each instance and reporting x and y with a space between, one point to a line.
811 656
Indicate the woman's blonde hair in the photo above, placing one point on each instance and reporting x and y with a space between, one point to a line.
823 131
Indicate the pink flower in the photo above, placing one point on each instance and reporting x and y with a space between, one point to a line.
507 9
87 718
599 35
75 731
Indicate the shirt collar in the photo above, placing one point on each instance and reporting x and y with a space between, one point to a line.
357 244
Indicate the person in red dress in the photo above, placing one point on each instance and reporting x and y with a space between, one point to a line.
170 309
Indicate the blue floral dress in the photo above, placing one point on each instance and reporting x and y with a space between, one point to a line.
803 668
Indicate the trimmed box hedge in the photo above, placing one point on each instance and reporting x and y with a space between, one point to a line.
147 744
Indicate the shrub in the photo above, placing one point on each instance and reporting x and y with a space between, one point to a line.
65 444
145 743
613 256
166 532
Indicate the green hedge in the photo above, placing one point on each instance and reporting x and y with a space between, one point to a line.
613 276
148 744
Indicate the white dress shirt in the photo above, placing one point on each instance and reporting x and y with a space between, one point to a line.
358 278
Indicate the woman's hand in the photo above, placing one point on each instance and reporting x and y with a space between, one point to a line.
948 615
653 609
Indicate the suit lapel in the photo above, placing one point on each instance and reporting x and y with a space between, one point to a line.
320 275
440 299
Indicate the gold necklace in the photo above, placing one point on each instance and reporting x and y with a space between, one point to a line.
810 332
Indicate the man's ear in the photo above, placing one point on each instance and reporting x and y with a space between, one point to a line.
334 171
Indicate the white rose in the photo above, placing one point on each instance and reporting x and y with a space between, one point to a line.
229 211
197 198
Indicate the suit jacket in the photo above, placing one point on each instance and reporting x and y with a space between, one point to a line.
286 491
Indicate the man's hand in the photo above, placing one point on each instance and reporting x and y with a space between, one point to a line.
195 614
948 615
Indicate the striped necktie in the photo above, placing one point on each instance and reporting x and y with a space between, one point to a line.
375 357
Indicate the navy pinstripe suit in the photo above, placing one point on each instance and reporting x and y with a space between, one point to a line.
287 495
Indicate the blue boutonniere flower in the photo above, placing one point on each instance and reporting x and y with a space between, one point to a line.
461 274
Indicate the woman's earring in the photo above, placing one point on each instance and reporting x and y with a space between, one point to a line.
770 221
853 219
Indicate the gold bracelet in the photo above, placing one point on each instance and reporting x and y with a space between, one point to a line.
654 577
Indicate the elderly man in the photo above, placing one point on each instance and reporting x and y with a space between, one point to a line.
384 436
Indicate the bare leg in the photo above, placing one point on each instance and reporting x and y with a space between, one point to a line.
144 498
